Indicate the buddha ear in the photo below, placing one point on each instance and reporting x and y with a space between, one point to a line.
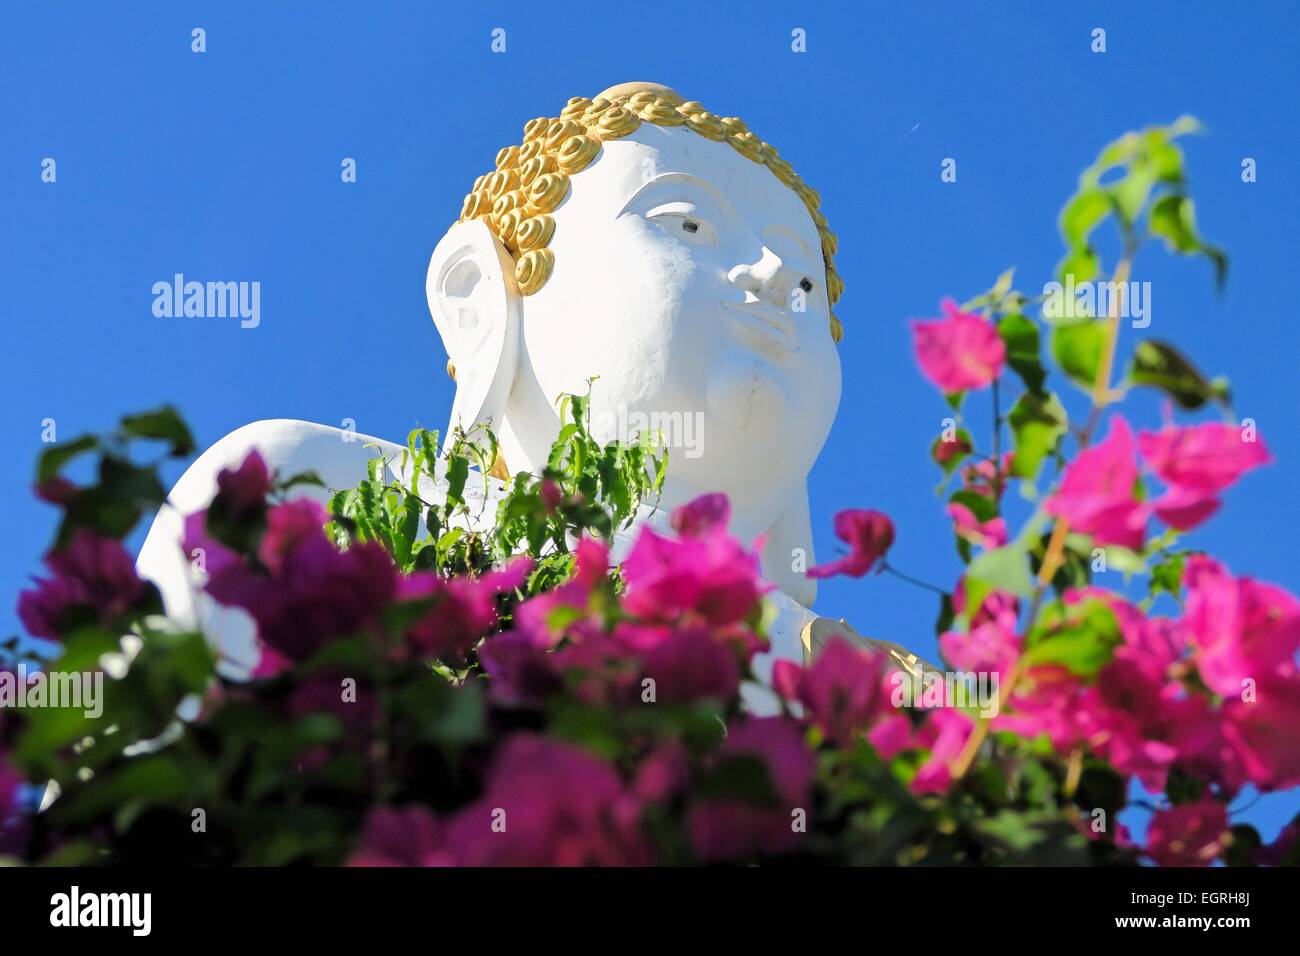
475 305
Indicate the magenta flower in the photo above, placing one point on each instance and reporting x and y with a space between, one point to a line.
1239 629
401 836
1191 834
711 579
944 734
706 515
959 352
522 674
545 618
662 774
984 534
1197 462
692 665
996 606
732 829
462 609
244 489
550 804
1263 729
990 647
842 692
1207 457
314 592
94 581
1097 496
868 534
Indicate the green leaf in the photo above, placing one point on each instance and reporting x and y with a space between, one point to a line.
1038 422
165 424
1080 262
1084 211
53 459
1167 575
1081 638
1021 337
1159 365
1173 218
1077 349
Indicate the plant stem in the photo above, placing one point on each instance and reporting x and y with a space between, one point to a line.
886 566
997 446
1101 397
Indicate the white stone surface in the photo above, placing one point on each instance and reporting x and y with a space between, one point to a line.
676 264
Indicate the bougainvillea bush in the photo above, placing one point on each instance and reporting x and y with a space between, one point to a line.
430 695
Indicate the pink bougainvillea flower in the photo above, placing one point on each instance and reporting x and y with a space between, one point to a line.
990 647
1098 494
710 578
959 352
462 611
521 672
1190 834
289 526
1207 457
545 618
944 734
1239 629
550 804
692 665
1046 702
56 491
662 774
706 515
551 494
1185 508
978 476
727 829
94 581
314 592
401 836
999 606
842 692
244 489
1263 728
868 534
1197 462
985 534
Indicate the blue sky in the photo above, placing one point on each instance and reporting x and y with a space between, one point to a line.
225 165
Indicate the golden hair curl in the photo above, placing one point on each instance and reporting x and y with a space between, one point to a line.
531 179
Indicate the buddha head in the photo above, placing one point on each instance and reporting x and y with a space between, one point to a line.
674 257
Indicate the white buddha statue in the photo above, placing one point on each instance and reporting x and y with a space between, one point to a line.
639 239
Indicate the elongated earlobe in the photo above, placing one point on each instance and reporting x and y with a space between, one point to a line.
475 306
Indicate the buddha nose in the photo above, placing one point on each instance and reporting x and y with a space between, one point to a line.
767 279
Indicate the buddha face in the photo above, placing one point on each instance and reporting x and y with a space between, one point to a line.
690 281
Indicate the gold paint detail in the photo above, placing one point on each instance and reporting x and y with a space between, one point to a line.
533 269
576 154
531 179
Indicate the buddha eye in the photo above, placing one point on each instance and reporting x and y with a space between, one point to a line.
683 221
806 284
